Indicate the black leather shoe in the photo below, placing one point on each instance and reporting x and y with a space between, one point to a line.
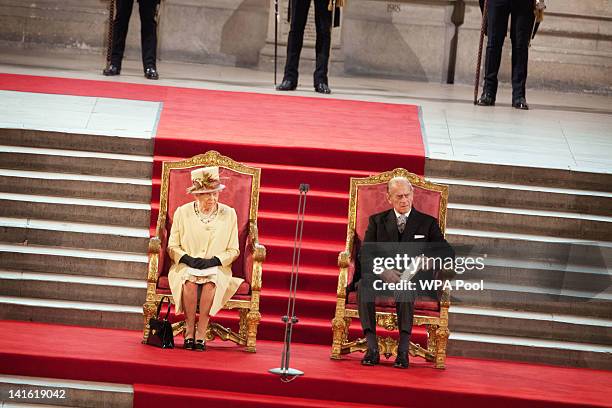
322 88
286 85
372 357
200 345
520 103
188 344
401 361
486 99
112 70
151 73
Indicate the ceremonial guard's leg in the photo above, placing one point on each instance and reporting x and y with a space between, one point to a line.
521 26
120 30
323 21
497 27
148 37
299 15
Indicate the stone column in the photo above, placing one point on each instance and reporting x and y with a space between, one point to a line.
411 39
225 32
307 60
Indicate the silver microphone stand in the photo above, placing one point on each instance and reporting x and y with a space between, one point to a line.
287 373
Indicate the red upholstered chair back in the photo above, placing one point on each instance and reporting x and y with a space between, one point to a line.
237 194
369 196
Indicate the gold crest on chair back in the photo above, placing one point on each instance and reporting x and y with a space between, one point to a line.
367 198
242 193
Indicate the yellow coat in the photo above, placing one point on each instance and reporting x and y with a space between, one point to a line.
218 238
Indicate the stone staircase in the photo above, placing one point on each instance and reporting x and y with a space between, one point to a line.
74 227
547 236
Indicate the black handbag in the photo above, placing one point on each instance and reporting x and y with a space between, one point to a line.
160 331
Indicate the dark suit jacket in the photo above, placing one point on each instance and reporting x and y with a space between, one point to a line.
382 227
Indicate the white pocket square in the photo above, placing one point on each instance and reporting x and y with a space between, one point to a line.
419 236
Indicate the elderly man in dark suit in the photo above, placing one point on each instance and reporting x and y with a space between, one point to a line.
415 234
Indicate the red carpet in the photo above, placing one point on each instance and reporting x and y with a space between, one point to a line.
321 141
226 376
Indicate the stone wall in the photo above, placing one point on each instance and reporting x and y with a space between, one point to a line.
228 32
424 40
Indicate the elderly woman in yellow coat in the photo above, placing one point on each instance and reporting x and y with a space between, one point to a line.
203 244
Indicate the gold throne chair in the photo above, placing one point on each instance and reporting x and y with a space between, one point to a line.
242 193
366 198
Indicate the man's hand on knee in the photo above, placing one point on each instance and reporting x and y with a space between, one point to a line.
391 276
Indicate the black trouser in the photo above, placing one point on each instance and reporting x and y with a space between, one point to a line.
323 19
148 31
521 26
404 307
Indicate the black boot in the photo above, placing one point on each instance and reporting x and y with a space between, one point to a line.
486 99
401 361
151 73
372 357
286 85
112 70
322 88
520 103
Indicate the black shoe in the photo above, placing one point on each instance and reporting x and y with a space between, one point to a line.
520 103
322 88
111 70
286 85
151 73
200 345
372 357
486 99
401 361
188 344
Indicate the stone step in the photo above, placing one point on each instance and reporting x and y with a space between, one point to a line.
105 315
532 176
533 299
532 222
557 277
74 141
82 394
75 209
75 186
530 350
73 235
75 162
41 259
550 326
72 288
527 247
527 197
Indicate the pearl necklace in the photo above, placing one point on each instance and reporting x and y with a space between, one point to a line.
206 218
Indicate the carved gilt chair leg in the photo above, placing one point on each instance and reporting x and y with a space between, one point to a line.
253 319
243 324
149 309
431 338
441 342
339 336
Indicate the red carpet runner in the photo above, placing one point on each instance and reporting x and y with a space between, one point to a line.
321 141
224 376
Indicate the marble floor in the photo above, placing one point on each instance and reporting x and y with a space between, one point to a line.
562 130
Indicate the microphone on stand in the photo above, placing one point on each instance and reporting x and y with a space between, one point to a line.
287 373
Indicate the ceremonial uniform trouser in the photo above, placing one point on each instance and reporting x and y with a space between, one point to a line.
323 20
521 26
148 31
